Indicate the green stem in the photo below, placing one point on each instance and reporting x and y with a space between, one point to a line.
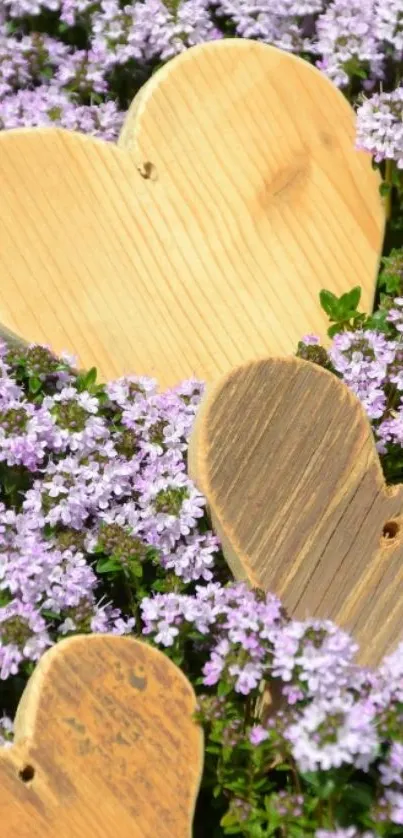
296 779
388 181
330 813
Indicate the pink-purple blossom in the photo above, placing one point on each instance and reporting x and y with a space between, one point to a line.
380 126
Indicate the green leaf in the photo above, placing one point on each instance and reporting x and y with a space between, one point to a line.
50 615
348 302
5 597
326 789
87 380
223 689
328 302
313 778
357 796
34 385
136 570
396 174
385 189
213 749
226 753
334 330
108 565
48 531
229 819
378 321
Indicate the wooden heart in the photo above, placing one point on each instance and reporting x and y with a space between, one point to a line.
105 746
285 455
204 239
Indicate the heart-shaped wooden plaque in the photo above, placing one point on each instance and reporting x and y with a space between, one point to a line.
234 196
105 746
285 455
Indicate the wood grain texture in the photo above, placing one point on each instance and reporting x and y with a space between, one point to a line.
106 726
285 455
256 200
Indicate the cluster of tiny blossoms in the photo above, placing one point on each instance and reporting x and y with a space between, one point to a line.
96 54
94 487
370 362
49 105
335 714
380 126
105 481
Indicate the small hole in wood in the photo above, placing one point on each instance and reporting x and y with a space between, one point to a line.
27 773
390 530
147 170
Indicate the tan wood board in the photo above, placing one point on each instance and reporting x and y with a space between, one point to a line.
256 200
285 456
106 727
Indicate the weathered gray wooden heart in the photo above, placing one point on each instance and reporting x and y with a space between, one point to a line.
285 455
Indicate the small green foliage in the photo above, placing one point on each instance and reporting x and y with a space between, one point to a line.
391 275
342 311
87 381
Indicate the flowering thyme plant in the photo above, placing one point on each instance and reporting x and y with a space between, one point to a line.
101 529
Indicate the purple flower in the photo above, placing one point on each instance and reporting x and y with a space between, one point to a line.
23 637
380 128
329 733
346 41
258 734
50 105
346 832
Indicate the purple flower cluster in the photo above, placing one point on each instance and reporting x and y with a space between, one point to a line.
114 475
148 30
347 41
380 126
371 365
236 624
49 105
97 53
389 26
331 732
335 708
105 490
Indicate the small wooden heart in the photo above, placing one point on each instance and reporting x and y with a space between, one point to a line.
105 746
285 456
234 196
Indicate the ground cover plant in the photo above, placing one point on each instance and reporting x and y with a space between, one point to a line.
100 527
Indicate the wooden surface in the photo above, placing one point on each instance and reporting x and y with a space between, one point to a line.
285 455
11 339
204 239
105 727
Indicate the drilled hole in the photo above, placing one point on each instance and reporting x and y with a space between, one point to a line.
390 530
147 170
27 773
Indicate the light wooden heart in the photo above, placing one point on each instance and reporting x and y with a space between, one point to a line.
285 455
106 746
204 239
